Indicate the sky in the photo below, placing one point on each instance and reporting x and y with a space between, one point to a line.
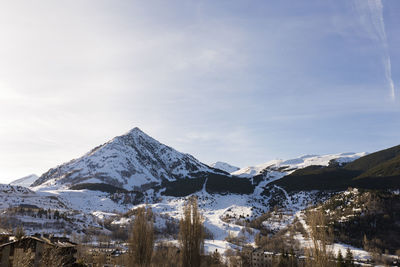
237 81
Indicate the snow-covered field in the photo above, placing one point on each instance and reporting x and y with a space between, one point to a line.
224 215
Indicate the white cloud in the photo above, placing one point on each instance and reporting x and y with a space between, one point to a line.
370 14
213 79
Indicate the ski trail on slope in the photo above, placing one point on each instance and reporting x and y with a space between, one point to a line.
204 187
290 202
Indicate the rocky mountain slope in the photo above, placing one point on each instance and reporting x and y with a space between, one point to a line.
131 161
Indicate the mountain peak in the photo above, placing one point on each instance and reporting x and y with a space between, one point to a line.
132 133
129 161
135 130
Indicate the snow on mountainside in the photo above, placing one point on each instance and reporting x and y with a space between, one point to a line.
288 166
137 161
25 181
224 166
11 196
129 161
39 211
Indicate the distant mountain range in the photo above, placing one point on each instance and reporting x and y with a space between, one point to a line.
137 162
298 163
134 168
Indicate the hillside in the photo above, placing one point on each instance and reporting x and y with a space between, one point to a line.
374 159
379 170
365 218
385 169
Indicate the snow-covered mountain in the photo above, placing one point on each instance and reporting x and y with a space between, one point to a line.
224 166
13 195
25 181
132 169
130 161
110 181
289 166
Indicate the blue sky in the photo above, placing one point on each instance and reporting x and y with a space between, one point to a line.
237 81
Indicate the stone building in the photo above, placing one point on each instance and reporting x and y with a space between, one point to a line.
261 258
106 257
35 252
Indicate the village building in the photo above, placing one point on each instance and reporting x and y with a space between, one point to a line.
35 251
261 258
108 257
4 237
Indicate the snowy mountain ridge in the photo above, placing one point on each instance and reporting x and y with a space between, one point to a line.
129 161
25 181
289 166
114 178
226 167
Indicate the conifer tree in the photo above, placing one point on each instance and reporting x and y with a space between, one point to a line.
216 258
191 234
349 261
142 238
340 260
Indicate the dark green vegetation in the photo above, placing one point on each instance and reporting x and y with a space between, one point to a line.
379 170
215 183
366 218
115 193
317 178
388 168
183 187
107 188
374 159
225 184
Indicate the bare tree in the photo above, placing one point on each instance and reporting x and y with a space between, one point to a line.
191 234
53 256
142 238
165 255
321 235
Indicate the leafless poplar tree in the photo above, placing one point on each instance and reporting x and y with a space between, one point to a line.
191 234
321 236
142 238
